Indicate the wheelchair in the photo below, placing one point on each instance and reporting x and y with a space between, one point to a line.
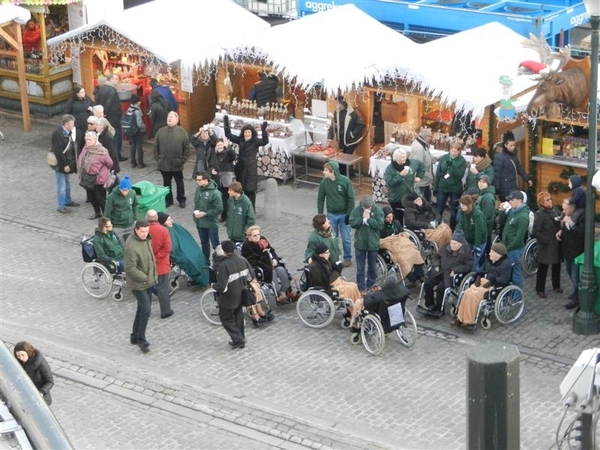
460 282
99 276
529 260
385 266
506 302
372 332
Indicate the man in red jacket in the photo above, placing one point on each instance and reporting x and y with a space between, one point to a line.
161 246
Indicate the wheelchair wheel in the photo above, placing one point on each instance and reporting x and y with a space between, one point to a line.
345 322
117 296
413 238
529 260
97 280
315 309
407 333
372 335
355 338
174 283
509 304
380 270
485 323
210 307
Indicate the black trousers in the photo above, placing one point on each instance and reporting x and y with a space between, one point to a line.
540 278
167 178
429 286
233 322
225 197
97 197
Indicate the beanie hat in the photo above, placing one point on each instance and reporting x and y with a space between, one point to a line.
228 246
575 180
387 210
499 248
320 248
485 179
162 217
134 99
367 201
125 183
412 196
459 236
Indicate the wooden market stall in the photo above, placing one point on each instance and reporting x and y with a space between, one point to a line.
46 86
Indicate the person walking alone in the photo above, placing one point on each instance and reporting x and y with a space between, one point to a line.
65 150
161 247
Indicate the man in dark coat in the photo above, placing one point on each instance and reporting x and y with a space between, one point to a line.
346 128
572 236
507 166
107 97
264 90
234 272
65 150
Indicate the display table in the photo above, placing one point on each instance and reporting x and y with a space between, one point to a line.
341 158
377 168
274 159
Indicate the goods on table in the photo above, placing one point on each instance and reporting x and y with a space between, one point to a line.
325 151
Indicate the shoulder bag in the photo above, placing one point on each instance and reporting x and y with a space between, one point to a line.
248 295
51 157
88 181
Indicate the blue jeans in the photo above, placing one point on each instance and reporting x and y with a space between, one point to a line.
208 236
365 257
142 314
63 189
118 140
573 272
517 274
338 224
441 205
478 257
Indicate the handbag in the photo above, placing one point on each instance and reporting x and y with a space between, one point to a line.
112 180
88 181
248 295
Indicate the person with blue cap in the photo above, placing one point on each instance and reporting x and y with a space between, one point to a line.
121 208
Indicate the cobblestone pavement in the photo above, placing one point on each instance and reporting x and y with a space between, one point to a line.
291 385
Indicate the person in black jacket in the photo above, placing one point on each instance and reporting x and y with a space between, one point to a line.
346 130
65 149
246 168
572 236
36 367
80 107
391 226
107 97
204 143
545 227
265 89
507 167
418 214
222 169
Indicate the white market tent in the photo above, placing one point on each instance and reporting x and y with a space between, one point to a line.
174 30
465 67
341 48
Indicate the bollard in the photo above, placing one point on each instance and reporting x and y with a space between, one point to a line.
493 407
272 201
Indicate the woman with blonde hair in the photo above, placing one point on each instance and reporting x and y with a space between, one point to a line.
545 227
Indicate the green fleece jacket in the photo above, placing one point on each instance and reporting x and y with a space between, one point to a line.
240 216
398 185
339 193
208 199
474 226
107 246
331 242
140 265
449 174
487 203
366 236
515 223
121 209
484 167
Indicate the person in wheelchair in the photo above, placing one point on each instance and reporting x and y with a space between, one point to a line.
321 274
323 233
498 275
259 253
420 217
401 248
391 292
456 257
107 245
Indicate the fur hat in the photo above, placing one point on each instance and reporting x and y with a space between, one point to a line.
499 248
125 183
162 217
228 246
320 248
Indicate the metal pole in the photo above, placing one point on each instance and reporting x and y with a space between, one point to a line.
27 405
493 414
585 322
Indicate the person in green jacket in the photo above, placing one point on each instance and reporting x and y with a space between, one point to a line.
240 213
141 276
107 245
516 223
472 222
486 201
208 205
337 192
401 176
121 208
448 181
323 234
482 165
367 220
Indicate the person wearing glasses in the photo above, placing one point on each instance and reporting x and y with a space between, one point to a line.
259 253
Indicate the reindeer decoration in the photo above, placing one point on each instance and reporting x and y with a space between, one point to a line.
563 86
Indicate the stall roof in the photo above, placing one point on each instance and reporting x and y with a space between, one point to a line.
465 68
13 13
173 30
340 48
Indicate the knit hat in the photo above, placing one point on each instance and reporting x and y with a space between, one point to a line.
576 181
228 246
459 236
367 202
515 195
411 197
387 210
485 179
134 99
499 248
162 217
320 248
125 183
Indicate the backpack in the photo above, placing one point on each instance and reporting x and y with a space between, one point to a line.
129 123
87 249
